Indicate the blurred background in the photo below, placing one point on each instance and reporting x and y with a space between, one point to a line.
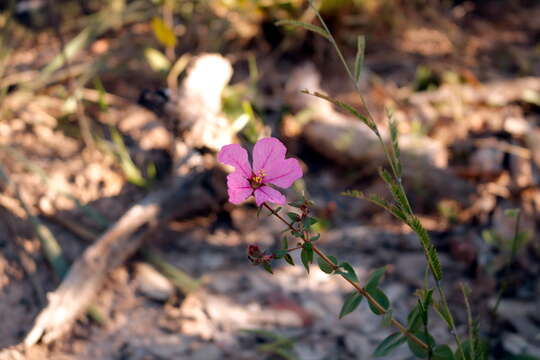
93 100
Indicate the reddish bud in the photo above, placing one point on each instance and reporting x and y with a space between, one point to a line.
254 250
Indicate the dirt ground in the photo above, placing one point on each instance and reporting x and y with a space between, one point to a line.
464 82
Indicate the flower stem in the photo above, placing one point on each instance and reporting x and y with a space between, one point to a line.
356 286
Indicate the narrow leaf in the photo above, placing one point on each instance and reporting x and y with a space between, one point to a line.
163 33
351 303
293 216
434 262
308 222
349 273
416 349
442 352
288 258
380 297
390 343
348 108
309 27
375 278
266 266
359 59
414 319
324 266
307 255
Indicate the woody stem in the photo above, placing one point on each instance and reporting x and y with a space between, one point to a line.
356 286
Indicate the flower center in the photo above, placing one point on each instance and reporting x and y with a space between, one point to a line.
256 180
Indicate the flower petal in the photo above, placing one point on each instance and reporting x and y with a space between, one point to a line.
238 187
267 151
267 194
236 156
283 173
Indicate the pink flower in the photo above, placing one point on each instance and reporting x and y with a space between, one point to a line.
269 167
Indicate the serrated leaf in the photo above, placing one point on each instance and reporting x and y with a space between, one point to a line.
293 216
375 278
309 27
324 266
359 59
442 352
351 303
349 272
288 258
307 255
381 298
416 349
389 344
434 263
163 32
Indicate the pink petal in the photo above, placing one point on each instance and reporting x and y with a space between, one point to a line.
283 173
267 151
238 187
267 194
236 156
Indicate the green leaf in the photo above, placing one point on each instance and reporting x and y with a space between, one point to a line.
416 349
434 262
309 27
348 108
297 234
359 59
324 266
163 32
414 319
375 278
349 273
297 203
442 352
512 212
309 221
293 216
288 258
266 266
381 298
480 351
284 243
280 253
390 343
315 237
307 255
351 303
444 313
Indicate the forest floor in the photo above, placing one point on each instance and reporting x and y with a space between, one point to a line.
466 94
